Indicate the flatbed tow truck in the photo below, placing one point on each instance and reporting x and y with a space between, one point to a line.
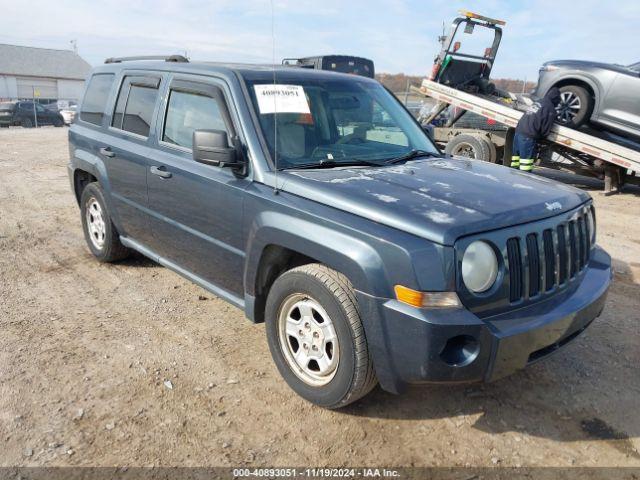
462 80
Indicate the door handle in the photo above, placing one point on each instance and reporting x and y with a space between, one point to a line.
106 151
161 172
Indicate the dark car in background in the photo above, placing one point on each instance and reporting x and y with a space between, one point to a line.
605 94
26 114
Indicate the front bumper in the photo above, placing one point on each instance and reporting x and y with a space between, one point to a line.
409 345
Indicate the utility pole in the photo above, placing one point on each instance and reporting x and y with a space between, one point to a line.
74 45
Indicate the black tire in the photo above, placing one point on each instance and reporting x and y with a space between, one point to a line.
111 249
354 375
26 122
57 122
466 145
570 94
490 145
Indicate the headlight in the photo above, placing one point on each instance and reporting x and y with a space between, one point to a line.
479 267
591 219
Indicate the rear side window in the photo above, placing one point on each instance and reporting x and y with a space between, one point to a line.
187 112
95 99
135 105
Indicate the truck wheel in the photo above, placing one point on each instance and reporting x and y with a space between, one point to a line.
99 231
466 145
27 122
490 145
58 122
316 337
576 105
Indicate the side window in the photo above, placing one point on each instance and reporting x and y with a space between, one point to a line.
135 105
95 99
186 112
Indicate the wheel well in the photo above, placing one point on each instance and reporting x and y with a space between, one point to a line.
80 180
579 83
274 261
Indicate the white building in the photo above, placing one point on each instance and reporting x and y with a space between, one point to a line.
45 73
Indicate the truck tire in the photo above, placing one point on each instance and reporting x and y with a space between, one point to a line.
99 231
490 145
26 122
466 145
316 336
576 105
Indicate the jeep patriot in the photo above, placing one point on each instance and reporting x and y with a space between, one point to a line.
313 201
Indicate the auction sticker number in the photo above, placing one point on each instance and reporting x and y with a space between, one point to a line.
274 98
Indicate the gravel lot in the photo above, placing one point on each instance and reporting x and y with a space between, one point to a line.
87 352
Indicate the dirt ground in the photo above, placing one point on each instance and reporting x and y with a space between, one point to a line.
87 352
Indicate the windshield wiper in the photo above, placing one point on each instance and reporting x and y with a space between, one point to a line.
333 163
410 156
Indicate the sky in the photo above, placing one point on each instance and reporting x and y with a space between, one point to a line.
398 35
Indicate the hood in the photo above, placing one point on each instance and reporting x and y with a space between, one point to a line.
440 199
578 64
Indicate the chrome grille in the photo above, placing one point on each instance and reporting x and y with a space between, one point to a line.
540 261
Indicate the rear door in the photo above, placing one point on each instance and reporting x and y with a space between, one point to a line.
197 209
127 151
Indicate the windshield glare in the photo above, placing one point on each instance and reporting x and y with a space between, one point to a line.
348 121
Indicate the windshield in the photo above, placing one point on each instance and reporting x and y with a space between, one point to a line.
336 120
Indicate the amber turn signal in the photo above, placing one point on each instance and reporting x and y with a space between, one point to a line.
419 299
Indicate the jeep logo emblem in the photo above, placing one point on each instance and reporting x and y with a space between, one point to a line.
553 206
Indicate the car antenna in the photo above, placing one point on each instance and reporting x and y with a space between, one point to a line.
275 103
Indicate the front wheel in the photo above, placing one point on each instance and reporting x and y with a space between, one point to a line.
575 107
316 336
27 123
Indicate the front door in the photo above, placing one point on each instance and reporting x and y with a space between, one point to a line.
196 209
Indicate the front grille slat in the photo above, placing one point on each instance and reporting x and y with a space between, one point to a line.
588 234
533 258
562 254
573 245
582 242
549 260
514 258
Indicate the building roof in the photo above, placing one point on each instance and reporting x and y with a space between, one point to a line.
42 62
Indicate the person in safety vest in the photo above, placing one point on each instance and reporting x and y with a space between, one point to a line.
534 125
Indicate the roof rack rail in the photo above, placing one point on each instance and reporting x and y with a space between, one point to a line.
166 58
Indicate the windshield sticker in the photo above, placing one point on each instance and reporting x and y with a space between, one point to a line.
281 99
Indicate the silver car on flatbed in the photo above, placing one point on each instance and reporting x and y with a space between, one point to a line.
600 93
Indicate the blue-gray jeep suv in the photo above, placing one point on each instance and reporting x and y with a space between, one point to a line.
313 201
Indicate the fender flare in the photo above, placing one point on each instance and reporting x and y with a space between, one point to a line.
86 161
351 256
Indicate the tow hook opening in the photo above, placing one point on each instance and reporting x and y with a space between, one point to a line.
460 351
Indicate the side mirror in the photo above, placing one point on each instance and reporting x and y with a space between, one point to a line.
211 147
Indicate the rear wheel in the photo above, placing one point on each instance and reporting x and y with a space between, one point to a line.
471 146
575 107
27 122
99 231
58 122
316 337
